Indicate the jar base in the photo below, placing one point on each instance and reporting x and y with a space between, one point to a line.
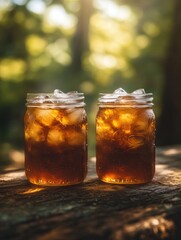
125 181
53 184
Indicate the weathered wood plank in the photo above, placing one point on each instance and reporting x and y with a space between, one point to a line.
94 210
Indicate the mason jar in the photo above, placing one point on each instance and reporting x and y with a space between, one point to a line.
125 137
55 138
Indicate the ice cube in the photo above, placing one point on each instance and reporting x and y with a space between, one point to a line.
60 116
46 116
35 132
135 141
139 91
75 116
124 122
55 137
126 118
39 99
72 93
127 141
104 130
75 138
141 124
63 118
116 123
108 113
59 94
120 91
140 127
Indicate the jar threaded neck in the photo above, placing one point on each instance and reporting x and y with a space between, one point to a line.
55 99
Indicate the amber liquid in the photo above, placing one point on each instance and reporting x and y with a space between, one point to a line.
125 149
55 146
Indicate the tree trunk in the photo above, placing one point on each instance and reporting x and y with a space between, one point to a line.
80 42
169 128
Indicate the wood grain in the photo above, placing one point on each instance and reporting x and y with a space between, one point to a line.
94 210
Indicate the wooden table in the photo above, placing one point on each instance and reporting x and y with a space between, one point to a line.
94 210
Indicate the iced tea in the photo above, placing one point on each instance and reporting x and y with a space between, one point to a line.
55 140
125 138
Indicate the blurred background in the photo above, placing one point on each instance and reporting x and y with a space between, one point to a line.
91 46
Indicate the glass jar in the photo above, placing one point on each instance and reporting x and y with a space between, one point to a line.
55 138
125 137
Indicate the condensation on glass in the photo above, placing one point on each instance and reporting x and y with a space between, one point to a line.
125 137
55 138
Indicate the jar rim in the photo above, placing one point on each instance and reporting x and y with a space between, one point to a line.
126 100
55 99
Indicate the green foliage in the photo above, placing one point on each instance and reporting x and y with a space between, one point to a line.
127 46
